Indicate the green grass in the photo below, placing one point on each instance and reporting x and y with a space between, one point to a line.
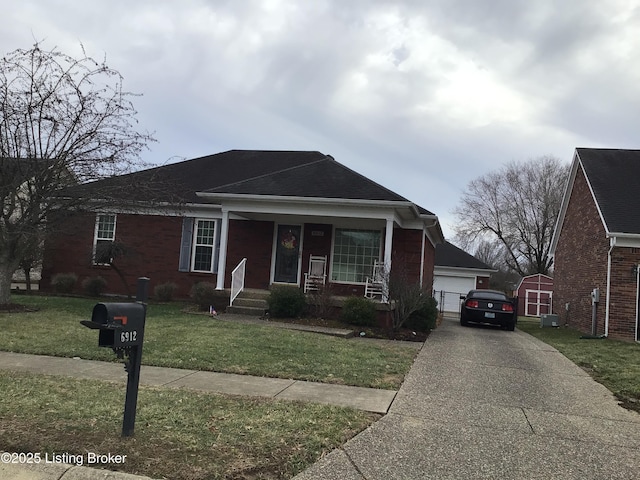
179 434
181 340
613 363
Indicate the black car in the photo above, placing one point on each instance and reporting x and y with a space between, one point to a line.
489 306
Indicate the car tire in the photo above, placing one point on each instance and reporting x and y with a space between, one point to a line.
464 323
510 326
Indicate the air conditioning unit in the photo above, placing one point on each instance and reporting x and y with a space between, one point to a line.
549 320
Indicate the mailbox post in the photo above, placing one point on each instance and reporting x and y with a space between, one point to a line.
121 327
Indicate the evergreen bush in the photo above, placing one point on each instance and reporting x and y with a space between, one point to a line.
424 319
203 294
164 292
286 302
94 286
359 311
64 282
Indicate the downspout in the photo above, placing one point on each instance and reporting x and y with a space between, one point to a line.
606 313
424 236
637 267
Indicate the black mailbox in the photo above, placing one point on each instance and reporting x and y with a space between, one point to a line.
120 324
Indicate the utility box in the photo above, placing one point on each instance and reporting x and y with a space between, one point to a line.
549 320
120 324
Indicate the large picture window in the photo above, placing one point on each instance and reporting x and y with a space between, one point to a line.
204 242
354 252
105 235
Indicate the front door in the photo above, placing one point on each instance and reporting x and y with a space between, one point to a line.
287 250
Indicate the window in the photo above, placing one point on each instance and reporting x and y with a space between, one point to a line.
105 235
204 243
354 252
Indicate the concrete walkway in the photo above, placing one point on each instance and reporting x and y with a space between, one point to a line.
481 403
369 399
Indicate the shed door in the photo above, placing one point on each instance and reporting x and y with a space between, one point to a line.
537 302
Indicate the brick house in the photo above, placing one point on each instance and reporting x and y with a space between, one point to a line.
596 243
274 208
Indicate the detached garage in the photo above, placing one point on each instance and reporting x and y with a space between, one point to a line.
535 295
455 273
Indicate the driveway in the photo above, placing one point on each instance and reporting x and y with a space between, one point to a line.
485 403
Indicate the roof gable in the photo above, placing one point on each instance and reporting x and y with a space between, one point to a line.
322 178
448 255
614 179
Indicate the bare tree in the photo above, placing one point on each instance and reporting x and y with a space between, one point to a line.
64 121
516 207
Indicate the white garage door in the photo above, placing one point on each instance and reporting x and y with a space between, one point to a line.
448 290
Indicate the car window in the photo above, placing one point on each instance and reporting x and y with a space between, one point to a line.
490 296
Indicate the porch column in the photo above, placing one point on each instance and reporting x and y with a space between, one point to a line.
222 255
388 244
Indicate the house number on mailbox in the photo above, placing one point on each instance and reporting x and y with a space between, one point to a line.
128 336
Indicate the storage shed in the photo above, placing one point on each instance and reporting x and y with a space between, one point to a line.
535 295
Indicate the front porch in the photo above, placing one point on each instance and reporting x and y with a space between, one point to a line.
253 302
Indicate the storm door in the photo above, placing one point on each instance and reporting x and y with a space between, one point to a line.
287 254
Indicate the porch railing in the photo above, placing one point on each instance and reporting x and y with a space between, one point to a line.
237 280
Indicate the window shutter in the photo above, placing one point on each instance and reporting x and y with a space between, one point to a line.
185 244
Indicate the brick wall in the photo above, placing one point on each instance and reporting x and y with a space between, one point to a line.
622 308
153 250
580 262
252 240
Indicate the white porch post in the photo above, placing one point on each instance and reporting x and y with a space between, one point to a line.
222 256
388 245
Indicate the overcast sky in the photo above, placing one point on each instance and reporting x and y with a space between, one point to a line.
421 96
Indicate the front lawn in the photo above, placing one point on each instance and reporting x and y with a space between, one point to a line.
181 340
613 363
179 434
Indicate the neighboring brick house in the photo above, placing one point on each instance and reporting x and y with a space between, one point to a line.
274 208
457 272
596 243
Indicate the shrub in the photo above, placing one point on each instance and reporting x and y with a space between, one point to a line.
94 286
321 301
64 282
286 302
203 294
359 311
164 292
425 318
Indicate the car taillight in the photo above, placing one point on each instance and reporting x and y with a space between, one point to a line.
472 303
507 307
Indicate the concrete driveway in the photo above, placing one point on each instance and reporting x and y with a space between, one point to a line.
485 403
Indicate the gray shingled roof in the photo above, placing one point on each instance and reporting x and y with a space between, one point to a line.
256 172
614 176
448 255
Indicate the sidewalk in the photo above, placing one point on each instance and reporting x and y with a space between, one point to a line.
369 399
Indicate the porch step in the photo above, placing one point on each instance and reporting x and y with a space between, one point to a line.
250 302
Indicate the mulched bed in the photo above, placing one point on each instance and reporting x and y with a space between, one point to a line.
370 332
15 308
